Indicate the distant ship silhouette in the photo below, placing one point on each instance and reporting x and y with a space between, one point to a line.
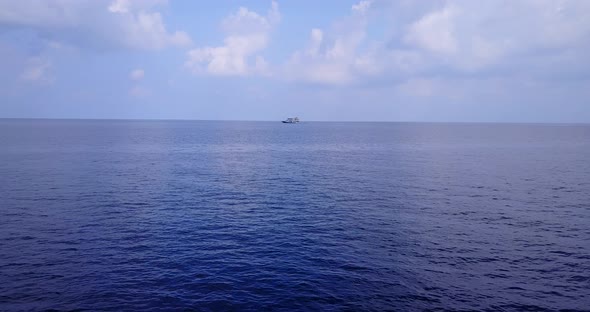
291 120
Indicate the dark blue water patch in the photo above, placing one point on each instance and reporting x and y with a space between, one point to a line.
163 215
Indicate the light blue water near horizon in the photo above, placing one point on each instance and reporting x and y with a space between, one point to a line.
174 215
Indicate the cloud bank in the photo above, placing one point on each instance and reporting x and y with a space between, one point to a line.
94 24
454 38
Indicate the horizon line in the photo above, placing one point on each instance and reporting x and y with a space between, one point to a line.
305 121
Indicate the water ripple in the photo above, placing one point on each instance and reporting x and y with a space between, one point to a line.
176 216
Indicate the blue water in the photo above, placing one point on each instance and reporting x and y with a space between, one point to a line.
177 215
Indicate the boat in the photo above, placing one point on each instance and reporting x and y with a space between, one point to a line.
291 120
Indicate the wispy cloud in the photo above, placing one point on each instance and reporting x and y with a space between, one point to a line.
139 92
37 70
137 74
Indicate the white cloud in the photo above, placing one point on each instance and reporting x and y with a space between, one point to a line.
91 25
478 36
247 34
126 6
362 7
316 38
94 24
136 74
333 59
147 31
120 6
434 32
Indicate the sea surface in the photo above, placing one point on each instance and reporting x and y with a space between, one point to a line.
317 216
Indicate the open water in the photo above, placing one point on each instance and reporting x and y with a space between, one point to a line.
252 216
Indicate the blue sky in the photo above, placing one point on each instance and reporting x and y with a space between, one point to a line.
368 60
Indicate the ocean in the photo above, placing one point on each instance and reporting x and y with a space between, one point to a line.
121 215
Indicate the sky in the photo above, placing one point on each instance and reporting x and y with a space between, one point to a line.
333 60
